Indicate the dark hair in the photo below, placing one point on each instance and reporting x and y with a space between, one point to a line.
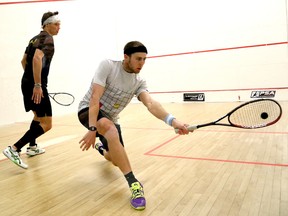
134 46
47 15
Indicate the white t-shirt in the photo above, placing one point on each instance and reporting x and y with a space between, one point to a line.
120 87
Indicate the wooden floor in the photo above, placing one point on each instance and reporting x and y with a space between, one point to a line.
213 171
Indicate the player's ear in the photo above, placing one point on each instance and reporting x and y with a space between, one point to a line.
126 56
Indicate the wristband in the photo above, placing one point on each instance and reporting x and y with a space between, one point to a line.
168 119
37 85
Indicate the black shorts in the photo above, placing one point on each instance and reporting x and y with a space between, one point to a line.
83 116
44 108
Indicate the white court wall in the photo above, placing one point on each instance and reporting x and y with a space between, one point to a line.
94 30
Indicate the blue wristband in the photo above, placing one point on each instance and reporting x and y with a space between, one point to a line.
168 119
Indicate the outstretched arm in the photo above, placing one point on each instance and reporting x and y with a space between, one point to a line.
156 109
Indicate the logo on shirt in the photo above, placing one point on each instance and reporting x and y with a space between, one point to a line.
116 106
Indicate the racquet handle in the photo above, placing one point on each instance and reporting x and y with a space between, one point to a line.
190 128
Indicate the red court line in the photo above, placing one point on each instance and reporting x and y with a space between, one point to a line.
25 2
211 130
150 153
222 90
168 141
220 49
218 160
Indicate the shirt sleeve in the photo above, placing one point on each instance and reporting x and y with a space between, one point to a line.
142 88
102 73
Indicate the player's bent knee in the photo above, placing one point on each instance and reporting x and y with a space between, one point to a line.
107 126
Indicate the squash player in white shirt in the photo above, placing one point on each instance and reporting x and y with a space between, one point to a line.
113 86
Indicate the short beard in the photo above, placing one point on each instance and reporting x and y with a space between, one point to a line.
129 69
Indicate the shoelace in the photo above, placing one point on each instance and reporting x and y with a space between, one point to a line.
137 192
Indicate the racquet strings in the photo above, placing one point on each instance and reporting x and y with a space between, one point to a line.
256 114
63 98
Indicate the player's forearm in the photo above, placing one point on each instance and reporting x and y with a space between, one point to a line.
94 105
37 67
93 113
156 109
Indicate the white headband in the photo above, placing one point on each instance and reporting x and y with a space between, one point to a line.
52 19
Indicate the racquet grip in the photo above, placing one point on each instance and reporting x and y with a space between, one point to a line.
190 128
